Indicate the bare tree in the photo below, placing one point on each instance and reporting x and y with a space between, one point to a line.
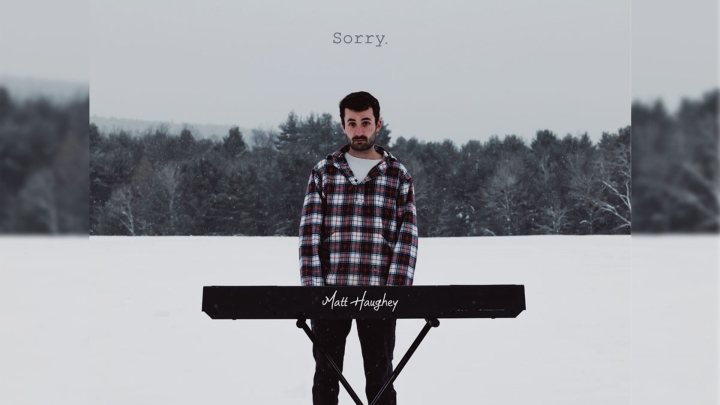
121 207
39 198
263 139
616 180
502 196
169 181
553 218
584 189
551 212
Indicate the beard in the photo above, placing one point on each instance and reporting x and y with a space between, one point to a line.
360 147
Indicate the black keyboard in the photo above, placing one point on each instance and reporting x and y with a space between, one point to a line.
337 302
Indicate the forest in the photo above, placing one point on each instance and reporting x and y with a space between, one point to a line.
160 183
44 164
60 175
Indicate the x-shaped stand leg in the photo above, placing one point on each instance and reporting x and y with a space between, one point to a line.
429 323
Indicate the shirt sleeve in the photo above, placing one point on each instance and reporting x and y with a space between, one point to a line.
311 221
402 264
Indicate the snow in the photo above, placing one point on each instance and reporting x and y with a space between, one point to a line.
117 320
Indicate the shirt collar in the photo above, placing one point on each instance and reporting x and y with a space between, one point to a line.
340 153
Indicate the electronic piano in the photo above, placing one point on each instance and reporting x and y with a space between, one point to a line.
334 302
358 302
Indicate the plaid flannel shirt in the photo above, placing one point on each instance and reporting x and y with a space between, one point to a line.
358 231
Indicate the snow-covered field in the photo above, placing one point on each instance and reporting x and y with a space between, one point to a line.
118 321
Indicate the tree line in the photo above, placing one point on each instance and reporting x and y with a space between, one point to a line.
160 183
675 167
44 175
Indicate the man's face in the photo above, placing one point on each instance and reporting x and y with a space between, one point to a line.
361 129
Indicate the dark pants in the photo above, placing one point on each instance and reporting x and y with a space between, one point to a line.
377 341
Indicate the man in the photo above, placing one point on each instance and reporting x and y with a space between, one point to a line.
358 227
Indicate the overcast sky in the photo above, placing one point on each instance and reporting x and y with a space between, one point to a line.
45 39
460 70
674 49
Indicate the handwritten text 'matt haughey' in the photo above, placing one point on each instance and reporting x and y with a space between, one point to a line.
359 302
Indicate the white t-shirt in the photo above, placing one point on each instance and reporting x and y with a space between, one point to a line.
361 167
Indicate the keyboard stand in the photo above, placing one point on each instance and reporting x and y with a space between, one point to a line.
429 323
427 302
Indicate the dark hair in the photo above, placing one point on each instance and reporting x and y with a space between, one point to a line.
359 101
